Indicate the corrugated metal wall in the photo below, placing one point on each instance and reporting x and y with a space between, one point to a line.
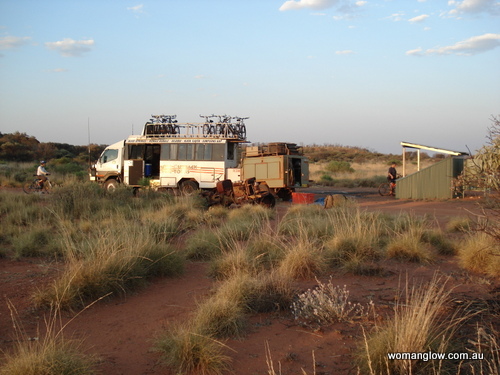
433 182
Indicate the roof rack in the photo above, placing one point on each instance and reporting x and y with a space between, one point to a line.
187 130
166 126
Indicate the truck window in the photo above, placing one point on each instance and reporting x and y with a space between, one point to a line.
109 155
218 152
135 151
165 152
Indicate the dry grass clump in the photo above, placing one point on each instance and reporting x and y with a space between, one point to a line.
408 246
407 240
306 220
459 224
187 351
220 317
49 354
418 326
302 260
480 253
117 258
357 240
485 343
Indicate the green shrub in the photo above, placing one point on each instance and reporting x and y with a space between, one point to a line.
339 167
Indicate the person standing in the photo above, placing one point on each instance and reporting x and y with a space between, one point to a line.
391 176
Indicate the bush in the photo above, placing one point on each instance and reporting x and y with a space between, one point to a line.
324 305
339 167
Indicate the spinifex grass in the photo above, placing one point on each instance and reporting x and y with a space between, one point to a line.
49 354
480 253
418 326
113 260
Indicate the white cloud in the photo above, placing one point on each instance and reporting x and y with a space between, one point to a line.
419 19
414 52
137 8
468 47
361 3
344 52
312 4
474 6
200 76
9 42
71 48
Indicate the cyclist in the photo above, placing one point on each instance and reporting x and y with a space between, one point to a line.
391 177
42 173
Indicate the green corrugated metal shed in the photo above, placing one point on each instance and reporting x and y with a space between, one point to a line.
434 182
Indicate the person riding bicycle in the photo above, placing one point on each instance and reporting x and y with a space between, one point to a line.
391 177
42 173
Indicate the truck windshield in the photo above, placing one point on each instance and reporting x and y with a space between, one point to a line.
109 155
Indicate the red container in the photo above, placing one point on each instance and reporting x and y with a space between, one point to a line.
302 198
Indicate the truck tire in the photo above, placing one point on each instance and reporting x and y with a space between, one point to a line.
111 185
188 187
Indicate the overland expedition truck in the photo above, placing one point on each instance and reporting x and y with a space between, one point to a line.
204 156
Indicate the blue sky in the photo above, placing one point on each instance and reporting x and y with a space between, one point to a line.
355 73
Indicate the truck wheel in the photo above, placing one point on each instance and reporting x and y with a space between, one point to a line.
111 185
268 201
188 187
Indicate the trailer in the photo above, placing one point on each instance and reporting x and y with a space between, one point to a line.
280 165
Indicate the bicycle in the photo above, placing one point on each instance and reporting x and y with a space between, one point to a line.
241 129
388 188
208 126
36 186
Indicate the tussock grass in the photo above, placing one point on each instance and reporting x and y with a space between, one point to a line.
272 291
37 241
303 260
459 224
204 244
51 354
408 246
220 317
357 240
407 241
233 261
418 326
480 253
438 241
308 220
118 258
187 351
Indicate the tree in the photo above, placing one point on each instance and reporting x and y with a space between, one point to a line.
18 147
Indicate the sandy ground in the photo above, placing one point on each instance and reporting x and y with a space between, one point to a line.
121 331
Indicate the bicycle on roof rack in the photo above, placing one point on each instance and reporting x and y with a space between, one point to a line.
208 126
227 129
163 124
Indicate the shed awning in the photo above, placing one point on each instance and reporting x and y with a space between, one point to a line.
435 149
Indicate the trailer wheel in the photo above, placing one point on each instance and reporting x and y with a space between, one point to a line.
111 185
188 187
